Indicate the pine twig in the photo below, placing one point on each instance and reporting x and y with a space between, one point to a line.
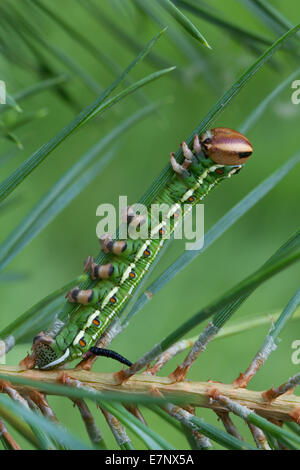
199 346
195 393
257 362
40 400
169 354
250 417
287 387
189 421
92 429
259 437
134 410
9 442
270 343
228 424
198 439
118 430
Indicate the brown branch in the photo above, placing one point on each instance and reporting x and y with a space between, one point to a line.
287 387
116 428
134 410
228 424
194 393
259 437
7 437
92 429
199 440
199 347
257 362
40 400
169 354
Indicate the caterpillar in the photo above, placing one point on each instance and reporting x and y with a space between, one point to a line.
217 155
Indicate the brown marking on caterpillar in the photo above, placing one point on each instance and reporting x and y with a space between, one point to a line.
137 221
127 214
98 271
108 245
80 296
103 271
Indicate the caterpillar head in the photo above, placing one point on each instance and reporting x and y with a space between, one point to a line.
225 146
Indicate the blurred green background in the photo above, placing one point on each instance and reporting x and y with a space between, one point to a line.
55 256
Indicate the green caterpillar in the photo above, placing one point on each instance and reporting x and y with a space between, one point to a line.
217 155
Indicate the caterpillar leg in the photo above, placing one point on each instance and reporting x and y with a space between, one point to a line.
197 145
179 169
88 264
124 248
189 157
111 354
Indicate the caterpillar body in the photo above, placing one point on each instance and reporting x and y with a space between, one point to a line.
217 155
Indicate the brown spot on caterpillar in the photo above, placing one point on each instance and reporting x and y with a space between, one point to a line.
112 246
103 271
80 296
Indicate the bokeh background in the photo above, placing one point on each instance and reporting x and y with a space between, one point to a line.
55 256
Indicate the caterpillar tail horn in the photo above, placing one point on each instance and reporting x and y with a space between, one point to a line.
109 353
